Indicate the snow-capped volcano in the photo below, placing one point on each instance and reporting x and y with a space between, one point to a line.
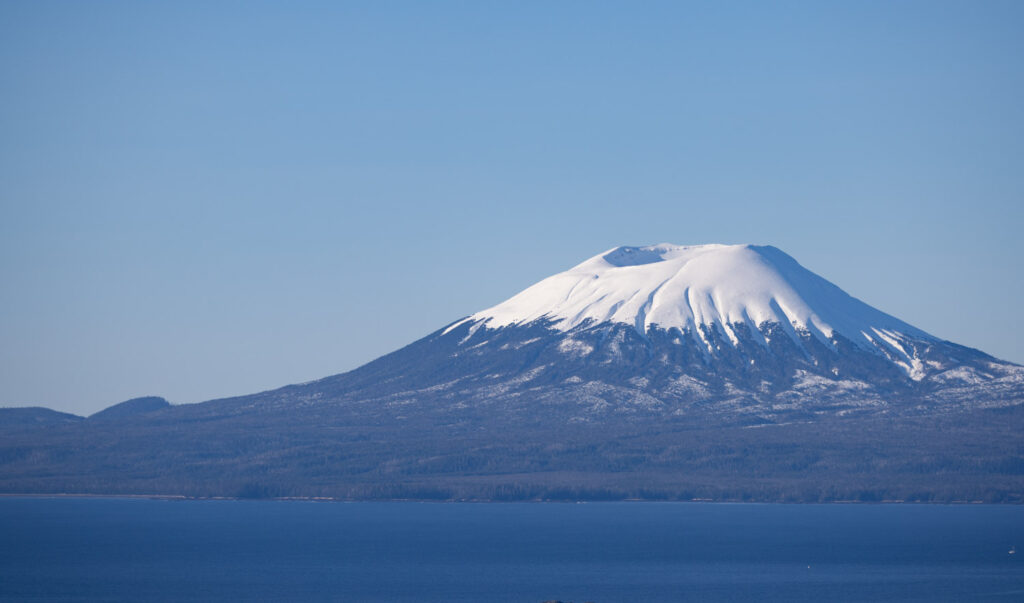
729 318
699 289
673 286
641 372
680 286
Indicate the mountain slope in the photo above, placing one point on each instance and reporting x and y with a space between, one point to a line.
714 334
670 372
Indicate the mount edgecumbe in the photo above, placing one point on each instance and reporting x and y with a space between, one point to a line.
708 372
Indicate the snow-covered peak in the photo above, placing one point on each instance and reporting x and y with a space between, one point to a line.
684 286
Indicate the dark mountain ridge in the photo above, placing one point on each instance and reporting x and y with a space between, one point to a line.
31 416
133 407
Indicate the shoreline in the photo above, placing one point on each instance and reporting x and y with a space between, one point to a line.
324 499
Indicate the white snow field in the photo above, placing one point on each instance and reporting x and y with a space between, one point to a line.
685 286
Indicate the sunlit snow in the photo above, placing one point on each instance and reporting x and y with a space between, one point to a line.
685 286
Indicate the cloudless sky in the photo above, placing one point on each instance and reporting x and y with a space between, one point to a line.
208 199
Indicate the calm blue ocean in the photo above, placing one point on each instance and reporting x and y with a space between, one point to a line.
81 549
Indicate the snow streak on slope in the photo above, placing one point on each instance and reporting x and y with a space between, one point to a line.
689 286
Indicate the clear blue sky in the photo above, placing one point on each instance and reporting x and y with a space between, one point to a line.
207 199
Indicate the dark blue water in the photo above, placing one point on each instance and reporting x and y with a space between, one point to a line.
151 550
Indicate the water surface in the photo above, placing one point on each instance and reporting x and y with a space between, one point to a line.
93 549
